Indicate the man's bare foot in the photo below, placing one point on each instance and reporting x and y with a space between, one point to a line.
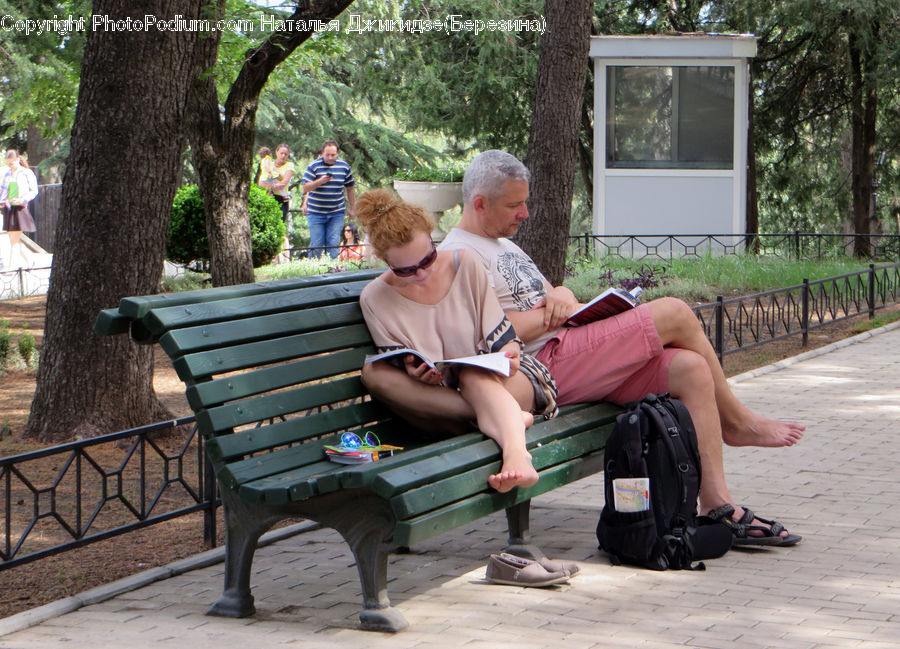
516 471
762 431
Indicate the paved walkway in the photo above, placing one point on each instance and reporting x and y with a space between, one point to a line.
839 588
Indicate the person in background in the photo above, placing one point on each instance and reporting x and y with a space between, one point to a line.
18 187
283 170
350 246
325 182
265 170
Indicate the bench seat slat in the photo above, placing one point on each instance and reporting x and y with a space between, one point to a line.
279 404
161 320
187 340
297 484
234 447
291 485
361 476
267 464
421 528
574 420
197 366
238 386
468 483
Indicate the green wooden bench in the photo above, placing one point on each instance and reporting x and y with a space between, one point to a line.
272 372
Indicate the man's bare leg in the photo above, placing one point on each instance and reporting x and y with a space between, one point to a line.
691 382
678 327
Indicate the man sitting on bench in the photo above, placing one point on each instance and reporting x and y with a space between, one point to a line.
657 347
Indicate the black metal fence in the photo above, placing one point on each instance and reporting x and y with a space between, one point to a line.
791 245
45 210
67 496
742 323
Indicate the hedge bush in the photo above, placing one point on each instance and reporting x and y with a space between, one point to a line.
187 227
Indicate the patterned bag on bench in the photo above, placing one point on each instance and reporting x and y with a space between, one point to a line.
651 481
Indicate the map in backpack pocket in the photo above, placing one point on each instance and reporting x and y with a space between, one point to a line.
631 494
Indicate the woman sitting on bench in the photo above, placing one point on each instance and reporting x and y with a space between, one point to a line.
441 304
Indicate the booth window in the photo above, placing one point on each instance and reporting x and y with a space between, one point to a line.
670 117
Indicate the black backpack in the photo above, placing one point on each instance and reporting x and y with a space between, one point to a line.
657 526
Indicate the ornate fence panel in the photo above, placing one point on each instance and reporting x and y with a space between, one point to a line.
740 323
66 496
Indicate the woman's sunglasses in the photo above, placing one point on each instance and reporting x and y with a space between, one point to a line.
409 271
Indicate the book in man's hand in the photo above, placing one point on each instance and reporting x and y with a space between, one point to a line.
495 362
610 302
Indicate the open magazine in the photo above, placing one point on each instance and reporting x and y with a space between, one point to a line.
609 303
496 362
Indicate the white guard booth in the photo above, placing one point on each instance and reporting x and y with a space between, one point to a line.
670 141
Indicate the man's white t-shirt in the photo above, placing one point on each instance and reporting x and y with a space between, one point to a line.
519 285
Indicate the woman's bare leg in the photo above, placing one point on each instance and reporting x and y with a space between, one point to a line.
503 418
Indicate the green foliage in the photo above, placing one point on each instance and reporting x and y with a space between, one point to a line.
305 267
452 173
187 227
27 346
5 344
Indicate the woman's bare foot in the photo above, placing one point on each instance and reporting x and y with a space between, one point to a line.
517 471
762 431
527 419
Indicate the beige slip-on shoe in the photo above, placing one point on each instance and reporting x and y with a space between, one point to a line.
515 571
551 565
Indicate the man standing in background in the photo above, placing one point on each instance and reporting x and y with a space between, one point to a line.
324 183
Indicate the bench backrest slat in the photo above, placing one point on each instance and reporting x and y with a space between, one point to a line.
159 321
221 419
275 377
186 340
200 365
138 307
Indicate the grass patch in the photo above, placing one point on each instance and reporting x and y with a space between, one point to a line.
701 279
877 322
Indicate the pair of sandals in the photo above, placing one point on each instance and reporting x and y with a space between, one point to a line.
746 533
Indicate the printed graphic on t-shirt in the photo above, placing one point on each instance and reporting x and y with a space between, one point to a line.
525 282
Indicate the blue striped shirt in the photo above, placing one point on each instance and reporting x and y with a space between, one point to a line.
328 198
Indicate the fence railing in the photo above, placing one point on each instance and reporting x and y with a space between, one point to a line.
67 496
741 323
16 283
791 245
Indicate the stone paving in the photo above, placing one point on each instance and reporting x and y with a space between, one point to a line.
840 588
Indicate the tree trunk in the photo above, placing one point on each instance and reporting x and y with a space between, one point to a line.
863 111
553 141
222 145
120 179
752 226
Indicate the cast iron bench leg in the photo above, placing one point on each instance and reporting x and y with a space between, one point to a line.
242 531
367 528
517 517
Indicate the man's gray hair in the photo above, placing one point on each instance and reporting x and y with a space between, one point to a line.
487 173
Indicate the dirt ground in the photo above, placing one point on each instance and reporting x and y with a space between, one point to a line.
52 578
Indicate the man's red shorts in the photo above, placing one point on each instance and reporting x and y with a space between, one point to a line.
618 359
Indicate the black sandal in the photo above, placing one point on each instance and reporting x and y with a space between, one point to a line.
771 535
